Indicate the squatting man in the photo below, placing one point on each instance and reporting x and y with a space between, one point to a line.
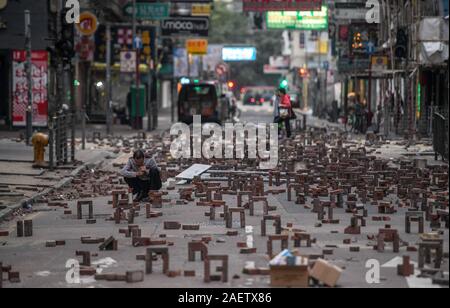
233 139
142 176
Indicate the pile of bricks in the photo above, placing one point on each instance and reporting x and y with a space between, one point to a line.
13 277
341 178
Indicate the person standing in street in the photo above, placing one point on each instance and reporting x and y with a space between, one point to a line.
335 111
380 117
285 111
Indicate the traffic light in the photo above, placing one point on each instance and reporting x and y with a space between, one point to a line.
65 46
258 20
357 43
231 85
284 84
167 52
401 47
303 72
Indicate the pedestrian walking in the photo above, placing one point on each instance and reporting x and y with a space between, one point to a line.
283 111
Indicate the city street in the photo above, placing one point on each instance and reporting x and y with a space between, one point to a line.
55 220
218 144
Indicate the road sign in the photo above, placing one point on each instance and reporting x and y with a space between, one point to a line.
128 61
138 44
273 70
149 11
88 24
221 69
197 47
379 63
125 36
370 48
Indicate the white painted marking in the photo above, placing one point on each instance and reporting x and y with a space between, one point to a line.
43 274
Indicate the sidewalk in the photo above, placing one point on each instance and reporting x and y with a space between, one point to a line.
164 123
21 184
393 148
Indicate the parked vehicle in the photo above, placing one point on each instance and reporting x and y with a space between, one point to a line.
201 98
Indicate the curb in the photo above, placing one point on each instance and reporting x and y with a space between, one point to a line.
66 181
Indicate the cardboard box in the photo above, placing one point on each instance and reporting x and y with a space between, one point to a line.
289 276
326 273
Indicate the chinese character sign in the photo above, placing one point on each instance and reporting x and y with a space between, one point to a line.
197 47
20 88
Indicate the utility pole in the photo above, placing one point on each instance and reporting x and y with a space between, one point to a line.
150 105
83 105
136 121
29 76
108 79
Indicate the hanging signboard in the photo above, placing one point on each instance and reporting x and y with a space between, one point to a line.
276 5
197 47
231 54
199 9
20 88
300 20
185 27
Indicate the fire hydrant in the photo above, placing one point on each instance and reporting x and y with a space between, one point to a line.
39 141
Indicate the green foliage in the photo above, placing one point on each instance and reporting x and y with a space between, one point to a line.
228 27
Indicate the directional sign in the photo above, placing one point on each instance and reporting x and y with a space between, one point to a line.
149 11
138 44
370 48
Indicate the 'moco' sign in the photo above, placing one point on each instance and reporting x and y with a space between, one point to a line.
185 26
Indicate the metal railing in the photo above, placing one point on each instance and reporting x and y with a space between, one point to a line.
61 147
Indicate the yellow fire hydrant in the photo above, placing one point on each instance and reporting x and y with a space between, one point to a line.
39 141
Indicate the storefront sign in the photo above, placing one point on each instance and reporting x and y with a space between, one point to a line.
20 88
